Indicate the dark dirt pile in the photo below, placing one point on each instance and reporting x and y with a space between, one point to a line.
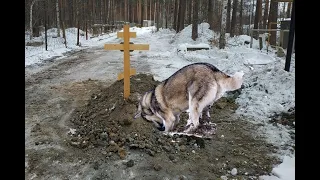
106 117
284 118
106 122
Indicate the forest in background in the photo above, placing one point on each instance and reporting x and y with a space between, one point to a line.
224 16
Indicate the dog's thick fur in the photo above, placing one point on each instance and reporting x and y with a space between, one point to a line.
193 88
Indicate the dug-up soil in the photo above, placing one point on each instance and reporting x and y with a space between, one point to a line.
104 129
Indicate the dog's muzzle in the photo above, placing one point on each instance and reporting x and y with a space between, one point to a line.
161 127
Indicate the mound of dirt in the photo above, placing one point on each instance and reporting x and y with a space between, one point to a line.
106 122
284 118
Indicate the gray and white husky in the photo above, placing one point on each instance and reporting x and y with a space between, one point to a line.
191 89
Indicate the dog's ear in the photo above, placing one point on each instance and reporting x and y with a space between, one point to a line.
238 75
138 113
237 80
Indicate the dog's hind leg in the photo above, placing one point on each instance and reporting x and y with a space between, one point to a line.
206 110
206 117
189 121
202 99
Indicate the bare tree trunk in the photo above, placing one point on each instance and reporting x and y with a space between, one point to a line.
283 15
260 25
74 5
175 15
58 20
189 11
69 13
82 7
256 19
78 32
78 23
64 33
210 13
120 11
135 17
265 14
115 9
182 12
178 16
141 14
252 13
195 20
62 26
64 14
31 6
138 11
100 14
167 13
92 12
45 25
125 10
104 15
200 15
234 18
228 16
108 11
112 12
217 15
164 12
146 9
150 10
222 39
85 11
154 13
240 17
205 10
130 9
158 15
289 10
273 15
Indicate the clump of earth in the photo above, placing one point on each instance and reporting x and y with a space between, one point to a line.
106 123
284 118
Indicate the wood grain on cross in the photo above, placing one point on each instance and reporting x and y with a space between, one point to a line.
126 46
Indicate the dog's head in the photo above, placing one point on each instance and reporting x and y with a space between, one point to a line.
237 80
146 111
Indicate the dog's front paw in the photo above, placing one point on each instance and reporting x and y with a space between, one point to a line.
189 122
190 128
204 120
188 125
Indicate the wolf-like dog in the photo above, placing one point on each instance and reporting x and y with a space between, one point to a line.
191 89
